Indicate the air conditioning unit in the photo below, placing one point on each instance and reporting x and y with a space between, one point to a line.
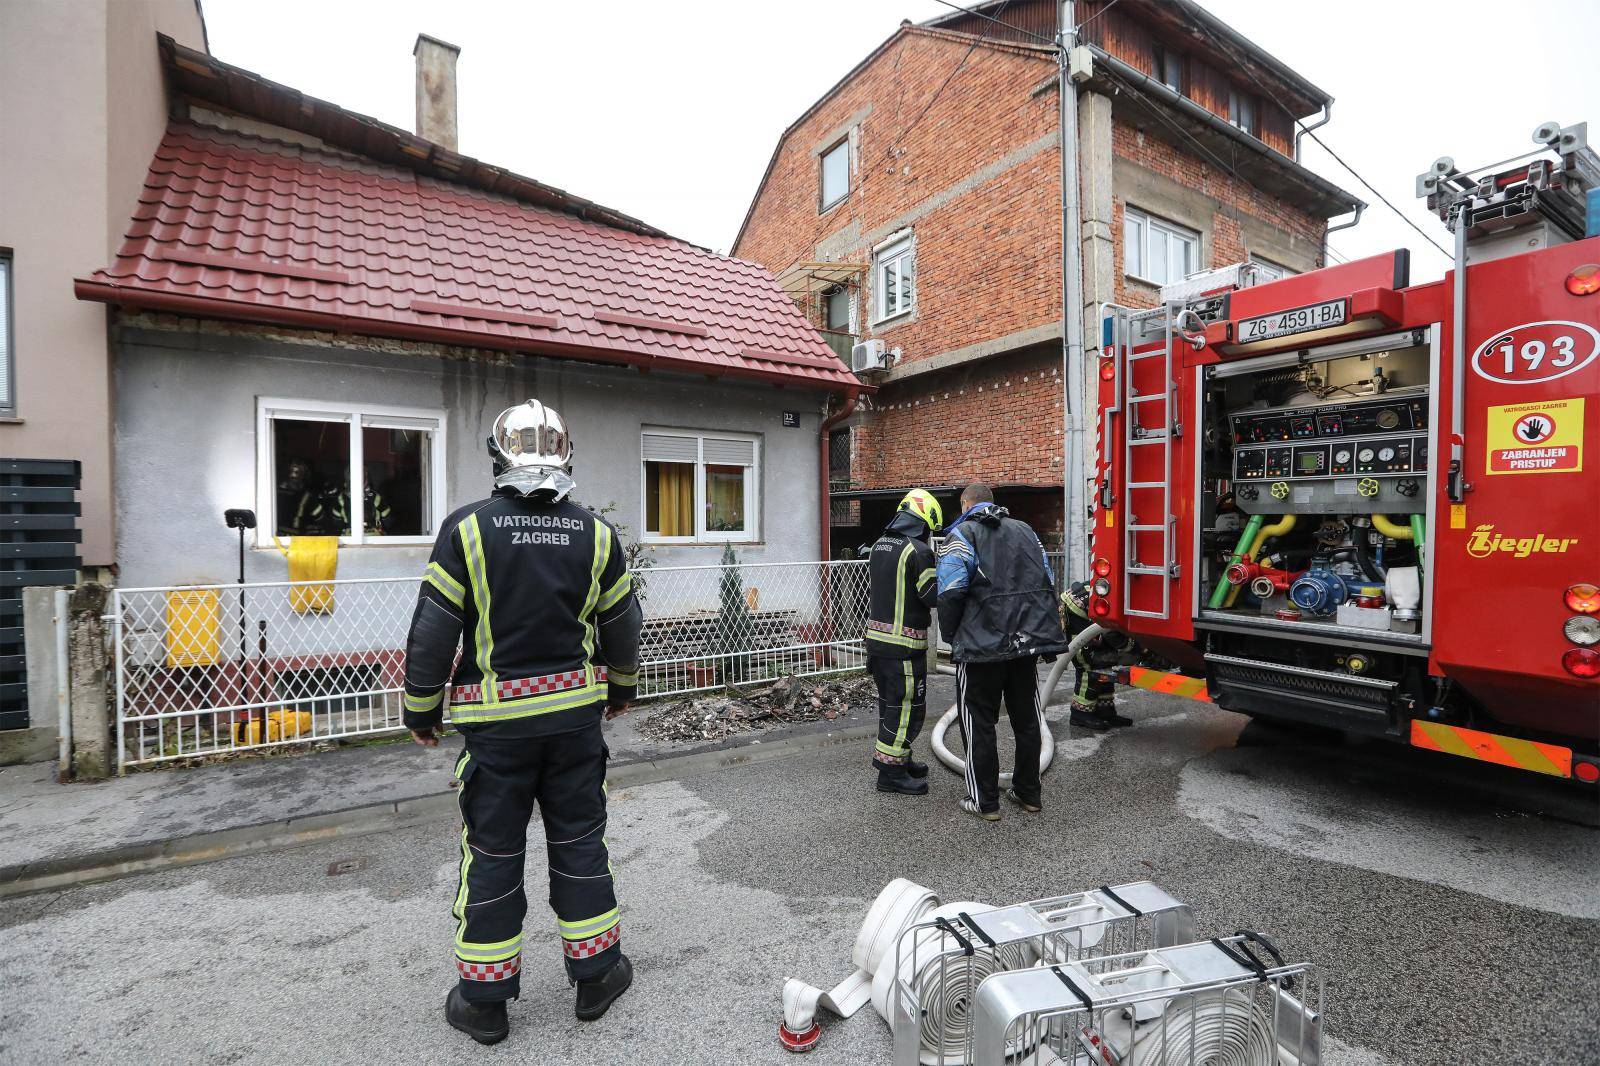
869 355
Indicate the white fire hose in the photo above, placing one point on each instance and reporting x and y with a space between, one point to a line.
943 993
1047 746
900 905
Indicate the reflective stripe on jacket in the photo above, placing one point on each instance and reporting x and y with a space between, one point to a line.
903 591
538 596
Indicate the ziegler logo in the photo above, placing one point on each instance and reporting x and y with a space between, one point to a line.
1485 542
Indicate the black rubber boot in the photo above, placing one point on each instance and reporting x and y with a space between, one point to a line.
896 779
484 1022
1106 711
1085 717
596 994
916 769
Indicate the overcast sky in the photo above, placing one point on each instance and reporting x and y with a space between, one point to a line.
669 110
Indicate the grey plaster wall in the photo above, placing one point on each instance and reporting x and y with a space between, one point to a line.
186 445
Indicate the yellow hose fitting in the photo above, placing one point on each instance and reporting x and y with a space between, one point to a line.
1390 528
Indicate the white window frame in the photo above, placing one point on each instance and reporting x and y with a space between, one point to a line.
1151 226
751 534
900 251
823 203
1270 271
355 416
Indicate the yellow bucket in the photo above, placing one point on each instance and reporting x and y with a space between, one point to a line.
311 559
282 724
194 627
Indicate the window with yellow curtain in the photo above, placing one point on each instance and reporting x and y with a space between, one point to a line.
699 487
669 499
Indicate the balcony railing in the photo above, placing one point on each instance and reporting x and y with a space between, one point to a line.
841 343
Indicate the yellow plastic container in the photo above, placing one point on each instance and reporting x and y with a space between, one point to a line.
282 724
311 559
194 627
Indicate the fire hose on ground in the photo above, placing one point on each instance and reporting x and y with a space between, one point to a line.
1047 745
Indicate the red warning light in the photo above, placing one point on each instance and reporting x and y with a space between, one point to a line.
1584 280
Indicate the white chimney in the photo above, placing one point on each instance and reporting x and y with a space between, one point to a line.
436 90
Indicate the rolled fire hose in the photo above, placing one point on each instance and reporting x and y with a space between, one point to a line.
1225 1028
944 988
1047 745
901 904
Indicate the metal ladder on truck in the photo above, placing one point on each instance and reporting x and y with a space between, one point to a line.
1128 327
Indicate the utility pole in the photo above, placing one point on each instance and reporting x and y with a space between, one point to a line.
1074 471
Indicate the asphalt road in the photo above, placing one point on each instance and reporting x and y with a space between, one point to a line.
1452 926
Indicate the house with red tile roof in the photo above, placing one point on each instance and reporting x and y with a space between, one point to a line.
317 316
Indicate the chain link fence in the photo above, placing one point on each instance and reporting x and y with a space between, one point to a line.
204 670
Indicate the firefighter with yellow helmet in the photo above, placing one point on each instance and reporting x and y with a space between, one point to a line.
901 569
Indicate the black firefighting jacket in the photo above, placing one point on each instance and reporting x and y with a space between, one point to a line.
539 598
997 597
900 601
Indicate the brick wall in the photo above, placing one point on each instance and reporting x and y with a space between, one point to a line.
1236 201
976 180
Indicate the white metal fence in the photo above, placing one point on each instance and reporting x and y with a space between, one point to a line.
203 670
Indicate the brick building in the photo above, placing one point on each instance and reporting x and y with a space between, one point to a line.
918 203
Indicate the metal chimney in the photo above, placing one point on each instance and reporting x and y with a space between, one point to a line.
436 90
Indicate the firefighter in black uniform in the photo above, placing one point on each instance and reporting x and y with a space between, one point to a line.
902 592
1094 696
536 591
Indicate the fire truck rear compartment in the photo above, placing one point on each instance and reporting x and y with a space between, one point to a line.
1314 481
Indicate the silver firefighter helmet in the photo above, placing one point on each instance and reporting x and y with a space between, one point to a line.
532 450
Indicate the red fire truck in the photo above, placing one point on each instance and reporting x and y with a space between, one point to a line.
1352 501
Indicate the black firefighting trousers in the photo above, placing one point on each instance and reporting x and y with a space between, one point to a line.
902 705
501 780
980 688
1092 662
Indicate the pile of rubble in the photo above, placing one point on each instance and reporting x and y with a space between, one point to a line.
717 715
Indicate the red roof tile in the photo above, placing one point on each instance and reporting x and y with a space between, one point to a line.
237 226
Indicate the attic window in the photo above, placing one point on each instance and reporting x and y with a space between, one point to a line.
1242 111
1169 68
835 174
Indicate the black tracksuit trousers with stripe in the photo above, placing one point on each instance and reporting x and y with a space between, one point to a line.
980 689
502 779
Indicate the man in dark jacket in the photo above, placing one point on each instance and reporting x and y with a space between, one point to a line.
535 590
900 568
997 605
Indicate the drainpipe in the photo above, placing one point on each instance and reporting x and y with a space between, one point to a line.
850 398
1073 474
1304 128
1331 230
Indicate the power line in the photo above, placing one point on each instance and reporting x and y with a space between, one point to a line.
1307 130
998 21
1079 27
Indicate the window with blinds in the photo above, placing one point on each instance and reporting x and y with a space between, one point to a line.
699 487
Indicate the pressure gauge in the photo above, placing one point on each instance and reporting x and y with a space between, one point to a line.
1341 456
1365 455
1388 418
1386 454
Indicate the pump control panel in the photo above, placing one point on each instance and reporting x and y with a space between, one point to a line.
1367 437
